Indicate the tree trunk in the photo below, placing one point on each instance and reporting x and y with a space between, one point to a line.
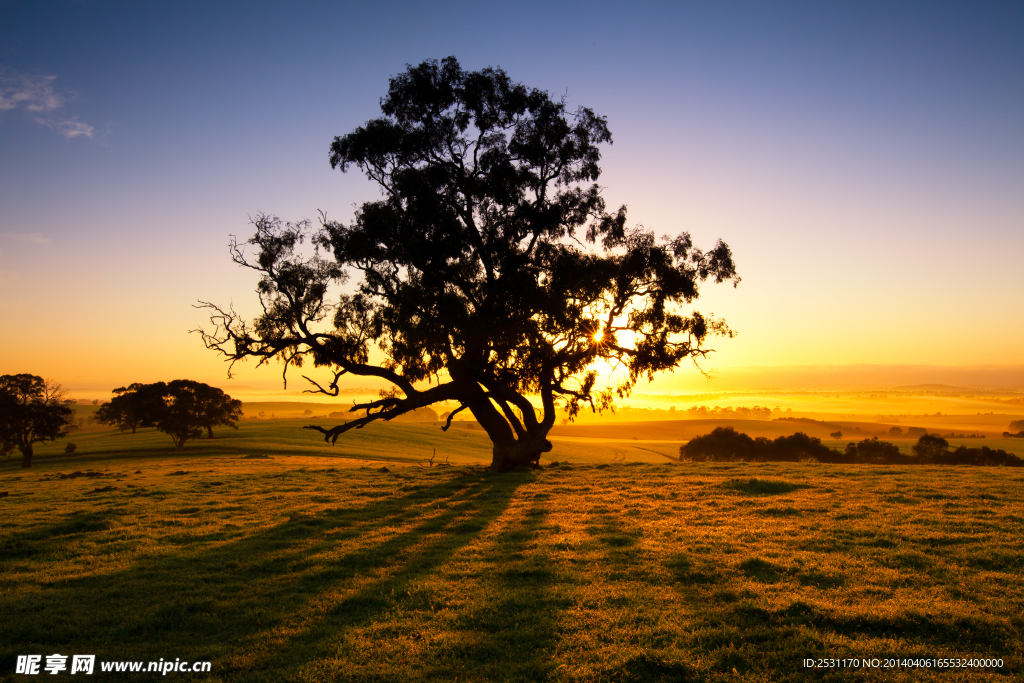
210 430
508 455
26 455
512 448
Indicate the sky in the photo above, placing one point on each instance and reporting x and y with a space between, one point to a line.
864 161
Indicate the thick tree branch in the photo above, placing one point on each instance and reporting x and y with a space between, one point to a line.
451 416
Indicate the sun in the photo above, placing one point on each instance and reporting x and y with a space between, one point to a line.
598 336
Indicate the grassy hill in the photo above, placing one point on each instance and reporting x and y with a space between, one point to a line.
464 443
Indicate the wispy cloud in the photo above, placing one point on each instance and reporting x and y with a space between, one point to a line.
70 128
27 237
36 96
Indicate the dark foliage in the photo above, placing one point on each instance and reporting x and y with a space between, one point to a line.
795 447
182 409
930 447
490 272
134 406
721 445
980 456
725 444
873 451
32 410
935 450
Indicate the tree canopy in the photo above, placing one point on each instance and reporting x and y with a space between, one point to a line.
136 405
489 273
190 407
32 410
182 408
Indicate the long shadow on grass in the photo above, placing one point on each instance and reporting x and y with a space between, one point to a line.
620 538
336 631
273 598
735 631
511 632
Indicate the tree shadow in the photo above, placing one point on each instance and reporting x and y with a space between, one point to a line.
734 628
511 631
280 594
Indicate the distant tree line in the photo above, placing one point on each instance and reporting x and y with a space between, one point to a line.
755 413
182 409
725 444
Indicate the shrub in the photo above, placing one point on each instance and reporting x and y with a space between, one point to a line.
798 447
725 444
984 456
931 448
70 449
721 445
874 451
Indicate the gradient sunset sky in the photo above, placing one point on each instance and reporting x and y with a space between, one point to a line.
865 162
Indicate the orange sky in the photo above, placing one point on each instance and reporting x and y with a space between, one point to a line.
867 174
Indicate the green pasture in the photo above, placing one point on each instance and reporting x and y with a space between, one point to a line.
407 442
279 558
394 442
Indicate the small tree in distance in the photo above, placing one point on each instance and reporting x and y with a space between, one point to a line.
216 407
136 405
32 410
837 435
182 408
930 447
190 407
490 273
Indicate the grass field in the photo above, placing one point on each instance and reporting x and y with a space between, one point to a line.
353 563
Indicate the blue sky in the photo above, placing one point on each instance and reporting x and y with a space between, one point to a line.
865 161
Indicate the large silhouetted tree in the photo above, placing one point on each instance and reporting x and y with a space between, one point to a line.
489 273
32 410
